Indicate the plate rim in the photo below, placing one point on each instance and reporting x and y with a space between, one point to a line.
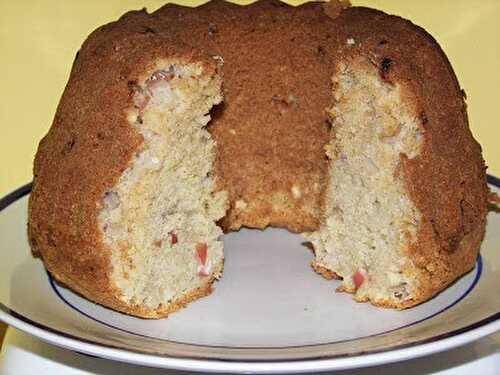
434 344
477 269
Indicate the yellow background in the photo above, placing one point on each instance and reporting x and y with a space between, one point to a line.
39 39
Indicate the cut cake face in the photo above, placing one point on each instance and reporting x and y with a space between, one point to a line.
159 220
370 221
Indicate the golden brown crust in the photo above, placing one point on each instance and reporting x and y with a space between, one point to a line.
447 181
114 303
325 272
88 147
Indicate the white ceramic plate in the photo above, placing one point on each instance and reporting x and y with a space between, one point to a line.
270 313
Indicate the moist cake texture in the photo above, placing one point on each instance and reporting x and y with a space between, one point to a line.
342 123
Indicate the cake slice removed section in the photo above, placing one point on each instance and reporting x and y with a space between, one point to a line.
159 219
370 221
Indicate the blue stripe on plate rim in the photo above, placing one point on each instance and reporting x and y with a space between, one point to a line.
479 269
26 189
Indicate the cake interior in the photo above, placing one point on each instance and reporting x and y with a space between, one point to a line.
159 220
369 219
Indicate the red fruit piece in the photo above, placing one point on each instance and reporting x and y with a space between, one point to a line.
202 271
161 75
493 198
201 252
358 278
173 238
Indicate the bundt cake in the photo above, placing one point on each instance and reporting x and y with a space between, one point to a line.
342 123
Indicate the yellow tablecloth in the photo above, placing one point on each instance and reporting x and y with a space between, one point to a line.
39 39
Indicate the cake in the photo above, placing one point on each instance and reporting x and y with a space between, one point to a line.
342 123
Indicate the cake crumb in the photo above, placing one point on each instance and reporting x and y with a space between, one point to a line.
291 99
296 192
240 204
219 59
351 42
